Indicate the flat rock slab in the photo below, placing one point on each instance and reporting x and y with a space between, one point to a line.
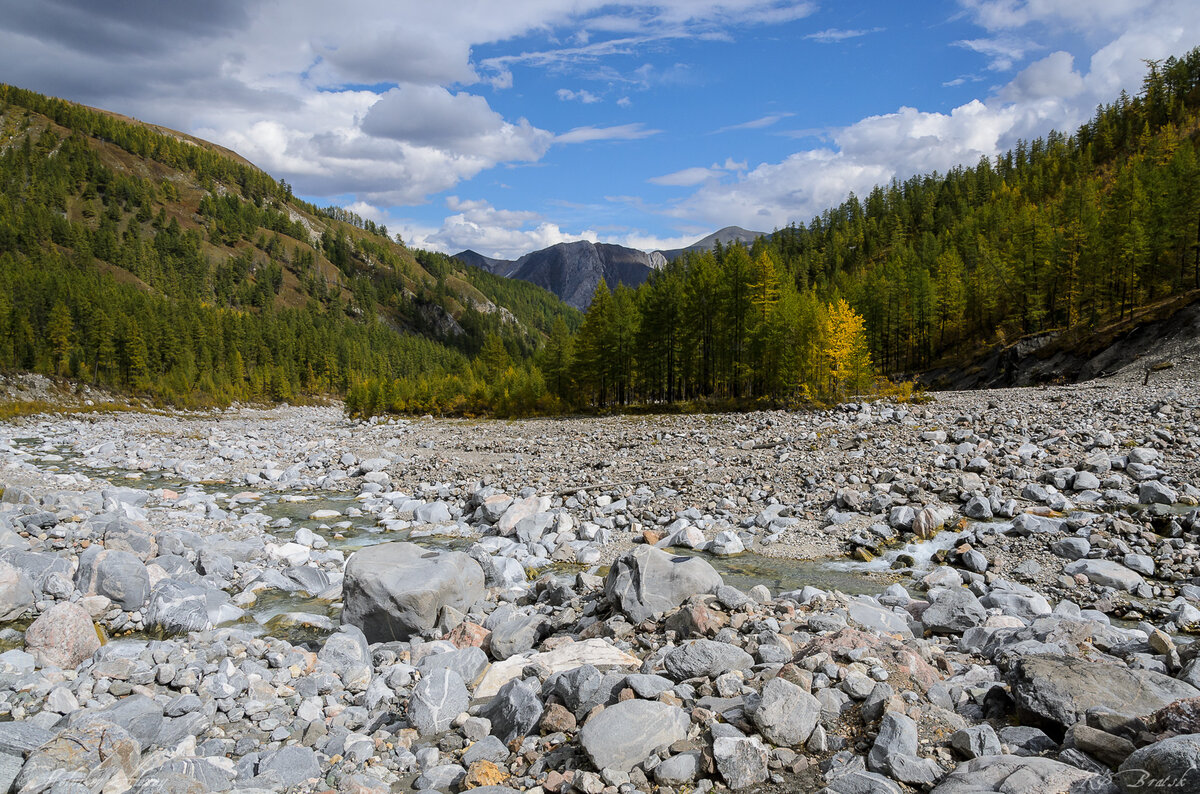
1060 689
622 735
1010 774
595 652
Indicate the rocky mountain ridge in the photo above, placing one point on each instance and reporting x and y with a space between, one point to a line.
572 270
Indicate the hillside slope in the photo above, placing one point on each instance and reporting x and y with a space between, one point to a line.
146 259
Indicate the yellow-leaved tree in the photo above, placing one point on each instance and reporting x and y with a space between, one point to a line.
846 351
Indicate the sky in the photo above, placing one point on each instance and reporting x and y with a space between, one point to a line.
506 126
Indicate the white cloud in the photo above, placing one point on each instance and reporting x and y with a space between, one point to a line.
582 95
619 132
1003 52
461 124
302 89
834 35
756 124
685 178
1050 93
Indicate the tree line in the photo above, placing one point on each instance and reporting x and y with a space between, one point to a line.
1059 233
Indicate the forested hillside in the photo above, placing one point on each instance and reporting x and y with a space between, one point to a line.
152 262
1066 232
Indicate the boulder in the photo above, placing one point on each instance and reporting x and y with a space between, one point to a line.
741 760
118 575
705 658
436 700
89 757
394 591
1107 574
63 636
952 610
1058 690
178 607
786 714
1170 766
16 592
624 734
647 581
517 635
515 710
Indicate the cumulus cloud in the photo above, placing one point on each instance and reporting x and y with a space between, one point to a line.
1050 93
461 123
378 111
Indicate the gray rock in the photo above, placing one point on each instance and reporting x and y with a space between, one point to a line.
489 748
622 735
952 610
976 741
119 575
141 716
1154 492
470 663
978 508
678 770
16 592
21 738
517 635
121 534
1059 690
742 761
63 636
394 591
1025 740
1072 548
347 651
290 766
1011 774
647 581
178 607
1107 573
696 658
786 714
897 736
445 777
1141 563
436 700
1170 766
1027 606
515 710
432 513
83 758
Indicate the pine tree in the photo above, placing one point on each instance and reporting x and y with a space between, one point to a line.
59 330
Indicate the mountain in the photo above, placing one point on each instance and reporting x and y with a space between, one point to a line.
476 259
572 270
729 234
146 260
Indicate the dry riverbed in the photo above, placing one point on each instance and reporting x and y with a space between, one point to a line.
877 597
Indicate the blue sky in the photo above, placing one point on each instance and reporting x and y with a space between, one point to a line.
509 126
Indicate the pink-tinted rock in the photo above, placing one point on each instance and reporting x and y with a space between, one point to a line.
64 636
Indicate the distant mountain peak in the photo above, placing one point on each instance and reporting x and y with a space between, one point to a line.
725 236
